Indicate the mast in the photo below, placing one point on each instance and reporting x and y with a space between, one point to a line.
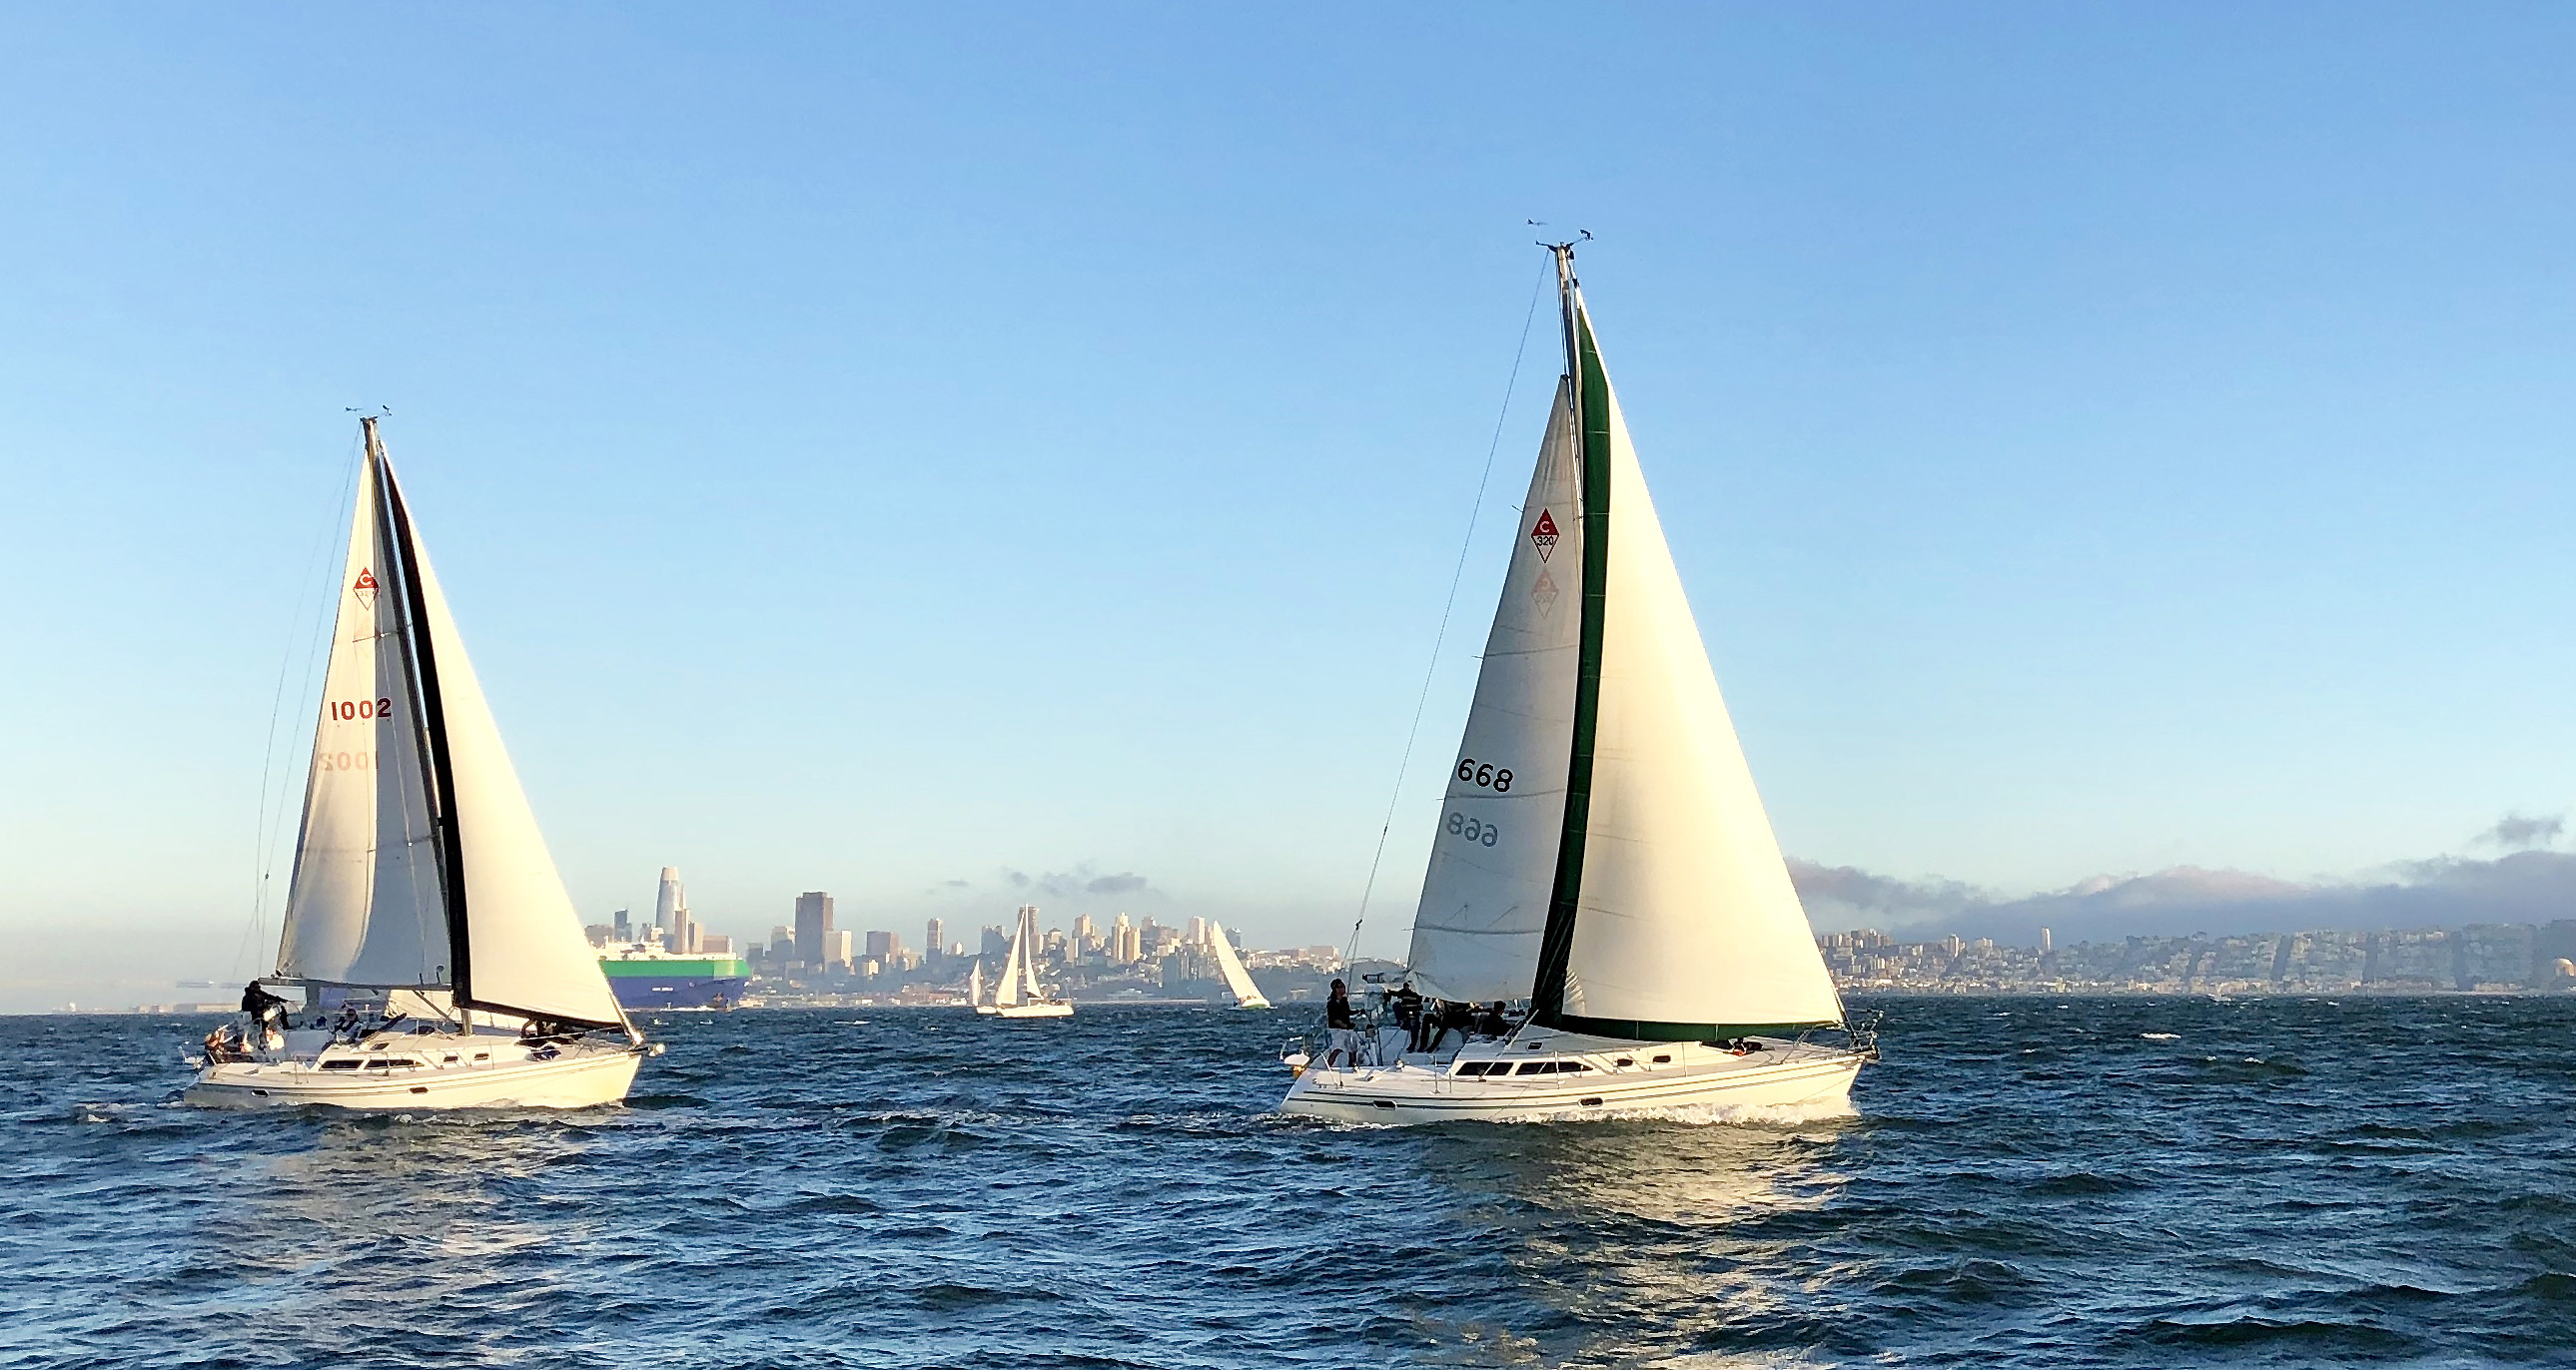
420 662
1588 391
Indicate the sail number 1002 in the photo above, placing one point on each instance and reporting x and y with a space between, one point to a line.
350 710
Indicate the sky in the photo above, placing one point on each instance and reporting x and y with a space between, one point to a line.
956 455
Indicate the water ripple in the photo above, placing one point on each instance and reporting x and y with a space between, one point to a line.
2024 1183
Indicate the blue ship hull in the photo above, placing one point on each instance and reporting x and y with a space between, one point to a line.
676 991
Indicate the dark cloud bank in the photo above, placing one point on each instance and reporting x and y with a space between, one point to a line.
2522 886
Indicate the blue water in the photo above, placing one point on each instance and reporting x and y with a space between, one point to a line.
2028 1182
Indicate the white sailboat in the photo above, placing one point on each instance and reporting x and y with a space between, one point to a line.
1238 981
1018 994
423 889
1602 855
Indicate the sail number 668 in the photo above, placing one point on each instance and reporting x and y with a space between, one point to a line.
1476 773
1482 834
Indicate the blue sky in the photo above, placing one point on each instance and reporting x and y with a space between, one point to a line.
887 450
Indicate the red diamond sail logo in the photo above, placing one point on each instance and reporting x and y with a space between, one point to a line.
365 588
1543 534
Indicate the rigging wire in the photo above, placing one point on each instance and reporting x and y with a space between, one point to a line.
264 837
1431 671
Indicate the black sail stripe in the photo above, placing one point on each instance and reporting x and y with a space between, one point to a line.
1592 430
441 767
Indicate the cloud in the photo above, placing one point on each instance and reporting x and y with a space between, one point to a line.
1083 881
2515 831
2521 887
1836 895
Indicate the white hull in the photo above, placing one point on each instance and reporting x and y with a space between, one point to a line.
583 1077
1783 1076
1043 1008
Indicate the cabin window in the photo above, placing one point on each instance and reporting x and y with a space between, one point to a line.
1663 1060
447 1060
1572 1067
482 1056
1480 1067
1535 1068
341 1065
1627 1061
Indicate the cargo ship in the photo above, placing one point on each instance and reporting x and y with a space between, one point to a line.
645 976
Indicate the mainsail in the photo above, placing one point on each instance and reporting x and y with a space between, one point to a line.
420 864
365 907
1627 882
1238 981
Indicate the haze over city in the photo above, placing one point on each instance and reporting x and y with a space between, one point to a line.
2121 492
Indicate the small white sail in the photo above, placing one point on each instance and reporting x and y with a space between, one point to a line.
975 984
1006 991
1493 856
524 950
1238 981
1030 989
364 908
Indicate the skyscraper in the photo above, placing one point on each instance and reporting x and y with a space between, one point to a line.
813 920
883 947
936 939
670 905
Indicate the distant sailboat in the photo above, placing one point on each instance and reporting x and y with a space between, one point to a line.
1602 855
1018 994
975 984
423 889
1238 981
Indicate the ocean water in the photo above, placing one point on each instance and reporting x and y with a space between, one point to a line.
2025 1182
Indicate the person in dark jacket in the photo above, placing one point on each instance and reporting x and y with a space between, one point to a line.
1341 1028
261 1005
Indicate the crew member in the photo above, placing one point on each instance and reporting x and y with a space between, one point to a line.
1341 1028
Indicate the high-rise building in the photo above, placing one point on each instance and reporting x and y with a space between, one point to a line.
813 924
669 905
936 939
1127 943
623 930
1083 931
782 942
2045 946
997 942
836 947
1198 932
884 947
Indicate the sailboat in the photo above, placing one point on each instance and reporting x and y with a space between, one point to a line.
424 901
1238 981
1018 994
1601 856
